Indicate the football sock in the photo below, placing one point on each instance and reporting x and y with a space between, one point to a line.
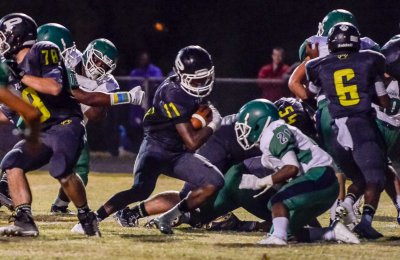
281 225
367 215
60 203
182 206
83 209
333 209
398 202
101 213
316 234
140 210
172 214
24 207
350 199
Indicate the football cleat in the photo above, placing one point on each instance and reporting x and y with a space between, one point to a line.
164 226
345 212
272 241
56 210
24 226
366 231
6 201
343 234
398 214
89 223
78 229
126 218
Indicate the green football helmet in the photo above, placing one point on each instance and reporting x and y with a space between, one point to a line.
334 17
100 58
251 120
58 34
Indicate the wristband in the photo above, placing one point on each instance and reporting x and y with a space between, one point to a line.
120 98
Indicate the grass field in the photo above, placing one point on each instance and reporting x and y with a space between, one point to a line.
56 241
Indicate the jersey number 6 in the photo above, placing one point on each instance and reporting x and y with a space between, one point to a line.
348 95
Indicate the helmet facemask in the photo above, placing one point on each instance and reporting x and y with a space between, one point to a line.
69 54
4 45
199 84
92 69
243 131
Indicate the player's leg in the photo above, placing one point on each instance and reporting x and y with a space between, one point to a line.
373 164
196 170
60 205
317 189
150 162
66 141
16 162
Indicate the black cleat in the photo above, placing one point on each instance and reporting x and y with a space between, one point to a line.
56 210
89 223
24 226
126 218
6 201
368 232
164 226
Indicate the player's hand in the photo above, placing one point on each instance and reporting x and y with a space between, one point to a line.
312 52
16 73
229 119
215 123
72 80
136 95
252 182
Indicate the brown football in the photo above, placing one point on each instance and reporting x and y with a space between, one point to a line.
201 117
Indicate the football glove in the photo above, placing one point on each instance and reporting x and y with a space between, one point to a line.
215 123
252 182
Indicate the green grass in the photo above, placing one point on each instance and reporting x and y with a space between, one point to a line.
56 241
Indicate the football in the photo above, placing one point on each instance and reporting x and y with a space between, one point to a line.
201 117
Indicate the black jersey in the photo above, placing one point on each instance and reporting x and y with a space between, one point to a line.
294 113
43 60
171 106
348 80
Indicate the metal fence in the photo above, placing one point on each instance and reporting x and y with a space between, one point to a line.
122 127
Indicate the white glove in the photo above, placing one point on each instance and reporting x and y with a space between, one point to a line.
252 182
136 95
216 119
228 120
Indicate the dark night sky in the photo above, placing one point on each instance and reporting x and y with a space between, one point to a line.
238 34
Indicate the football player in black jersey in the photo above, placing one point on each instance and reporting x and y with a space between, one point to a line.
38 74
170 139
352 80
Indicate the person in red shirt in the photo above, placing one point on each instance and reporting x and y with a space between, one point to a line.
276 70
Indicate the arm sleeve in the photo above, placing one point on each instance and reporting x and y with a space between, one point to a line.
380 87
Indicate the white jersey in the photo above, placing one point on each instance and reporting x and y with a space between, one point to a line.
393 92
107 84
279 138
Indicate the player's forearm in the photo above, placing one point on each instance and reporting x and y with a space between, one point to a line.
295 82
93 99
42 85
287 172
198 138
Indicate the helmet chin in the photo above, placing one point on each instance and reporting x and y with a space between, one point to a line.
188 82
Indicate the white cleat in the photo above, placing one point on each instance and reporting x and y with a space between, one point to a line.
343 234
78 229
346 213
272 240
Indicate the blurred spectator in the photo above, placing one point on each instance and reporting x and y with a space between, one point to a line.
131 132
275 70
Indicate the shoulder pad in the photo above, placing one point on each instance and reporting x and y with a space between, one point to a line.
369 44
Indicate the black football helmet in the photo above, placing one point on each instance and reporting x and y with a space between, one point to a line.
17 31
195 70
343 37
